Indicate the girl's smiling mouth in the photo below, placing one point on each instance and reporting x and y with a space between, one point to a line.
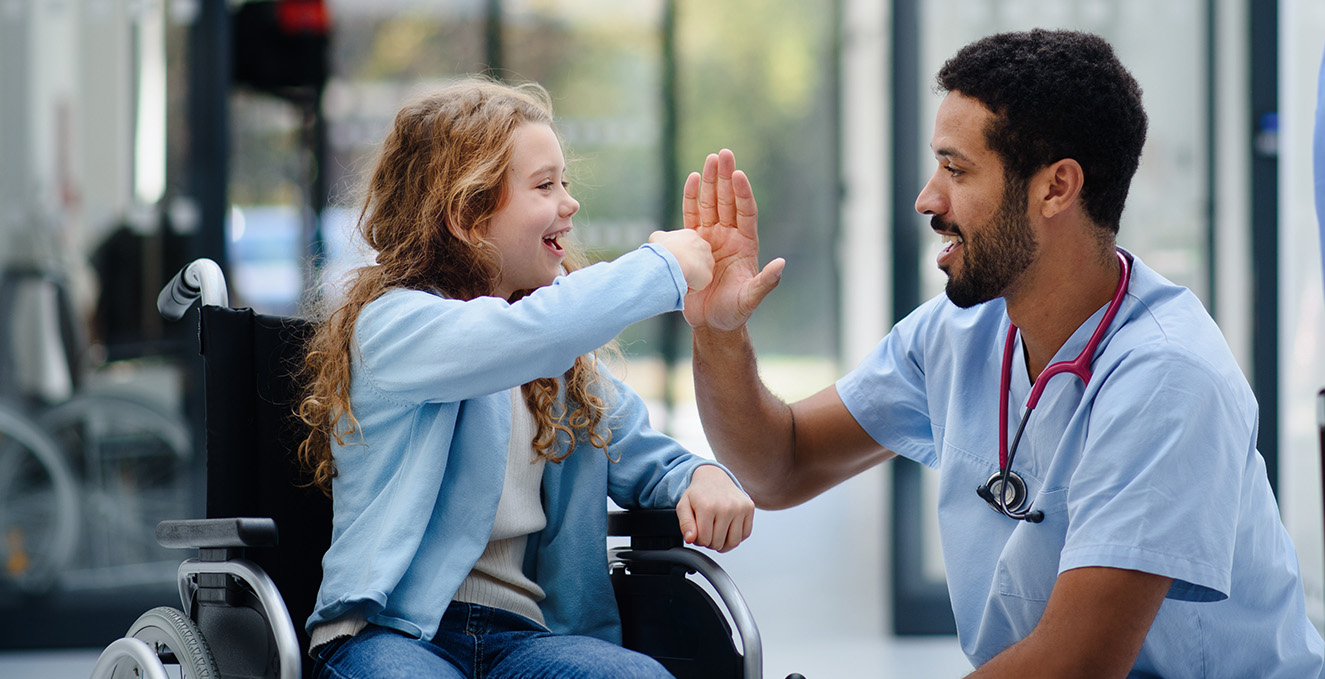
552 241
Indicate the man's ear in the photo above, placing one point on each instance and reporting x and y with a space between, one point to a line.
1057 186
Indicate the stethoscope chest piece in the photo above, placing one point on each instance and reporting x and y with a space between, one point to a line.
1014 492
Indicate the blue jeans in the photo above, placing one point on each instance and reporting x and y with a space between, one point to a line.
479 642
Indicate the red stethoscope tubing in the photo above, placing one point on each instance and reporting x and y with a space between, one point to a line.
1080 366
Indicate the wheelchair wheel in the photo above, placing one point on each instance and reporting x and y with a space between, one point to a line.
38 506
136 463
176 640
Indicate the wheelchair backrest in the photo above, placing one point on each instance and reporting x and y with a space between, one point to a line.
249 363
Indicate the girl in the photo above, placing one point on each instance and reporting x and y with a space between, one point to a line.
465 429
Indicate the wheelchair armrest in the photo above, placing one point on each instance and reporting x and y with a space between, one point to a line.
692 561
646 528
226 533
208 579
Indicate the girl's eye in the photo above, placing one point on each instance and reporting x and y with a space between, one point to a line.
546 186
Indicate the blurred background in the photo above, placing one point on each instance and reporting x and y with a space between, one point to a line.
137 135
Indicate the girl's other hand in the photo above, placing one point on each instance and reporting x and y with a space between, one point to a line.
714 512
692 252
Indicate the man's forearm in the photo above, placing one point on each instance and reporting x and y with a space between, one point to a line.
1093 627
749 428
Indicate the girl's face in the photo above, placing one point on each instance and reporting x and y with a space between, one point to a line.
528 229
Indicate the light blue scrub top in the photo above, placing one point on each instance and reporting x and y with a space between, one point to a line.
1150 467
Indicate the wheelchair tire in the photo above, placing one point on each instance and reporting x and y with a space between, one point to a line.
176 640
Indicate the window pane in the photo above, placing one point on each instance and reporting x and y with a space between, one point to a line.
768 91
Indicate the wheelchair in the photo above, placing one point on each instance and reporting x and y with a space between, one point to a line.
246 594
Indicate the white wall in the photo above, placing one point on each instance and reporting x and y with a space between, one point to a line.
1301 307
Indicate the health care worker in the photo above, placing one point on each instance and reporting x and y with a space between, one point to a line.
1124 525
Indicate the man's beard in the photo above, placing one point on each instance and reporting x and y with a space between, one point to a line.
993 257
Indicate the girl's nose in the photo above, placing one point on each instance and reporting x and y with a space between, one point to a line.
569 206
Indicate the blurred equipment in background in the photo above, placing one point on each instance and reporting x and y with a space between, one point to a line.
281 45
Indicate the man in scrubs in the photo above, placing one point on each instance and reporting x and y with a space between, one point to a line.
1149 543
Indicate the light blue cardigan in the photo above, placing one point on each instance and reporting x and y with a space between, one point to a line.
417 493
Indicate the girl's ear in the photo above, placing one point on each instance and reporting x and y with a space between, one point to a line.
461 235
473 235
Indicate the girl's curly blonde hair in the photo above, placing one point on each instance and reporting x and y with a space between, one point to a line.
439 178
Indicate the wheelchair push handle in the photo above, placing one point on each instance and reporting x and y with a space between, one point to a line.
201 278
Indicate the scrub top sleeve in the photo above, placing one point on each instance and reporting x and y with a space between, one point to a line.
886 393
1160 484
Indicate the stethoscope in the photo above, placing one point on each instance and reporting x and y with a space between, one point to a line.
1005 491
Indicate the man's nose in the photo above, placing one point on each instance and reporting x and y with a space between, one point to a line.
930 202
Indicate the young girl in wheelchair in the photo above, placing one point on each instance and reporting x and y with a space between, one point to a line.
462 423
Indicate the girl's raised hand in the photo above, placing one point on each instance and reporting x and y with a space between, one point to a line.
692 252
714 512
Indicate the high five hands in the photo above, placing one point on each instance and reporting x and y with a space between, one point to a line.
720 206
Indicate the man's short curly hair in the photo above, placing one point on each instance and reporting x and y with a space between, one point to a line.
1056 95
